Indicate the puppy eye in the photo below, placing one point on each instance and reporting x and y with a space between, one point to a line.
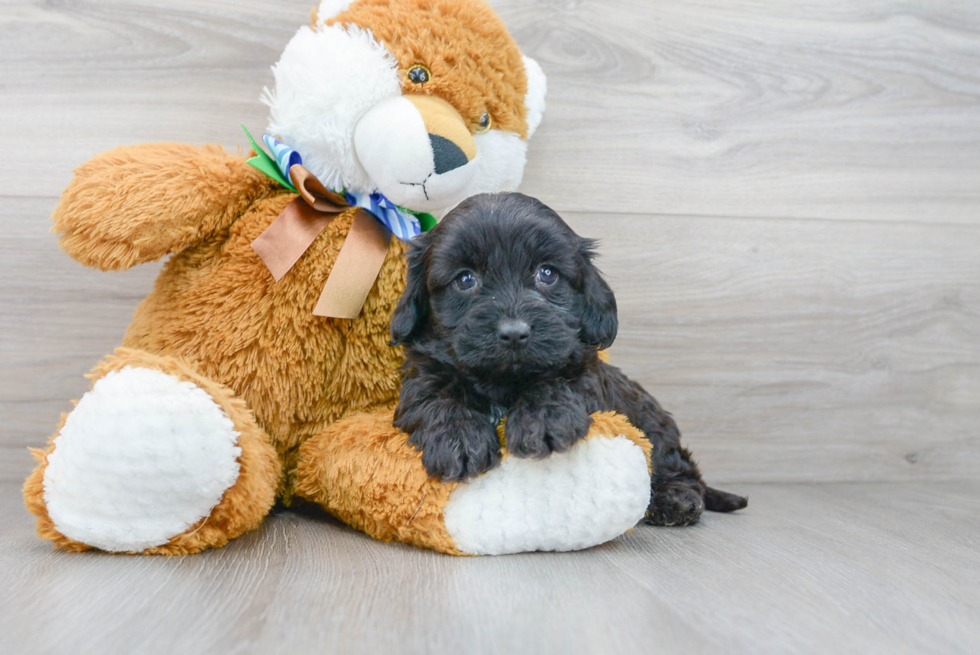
484 123
419 74
547 276
465 281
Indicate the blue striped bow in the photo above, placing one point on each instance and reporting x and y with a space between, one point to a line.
403 223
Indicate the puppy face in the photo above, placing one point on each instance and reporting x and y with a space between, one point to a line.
504 289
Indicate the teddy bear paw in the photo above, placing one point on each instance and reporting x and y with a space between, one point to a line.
142 458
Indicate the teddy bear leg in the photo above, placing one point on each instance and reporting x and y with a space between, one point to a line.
155 458
364 471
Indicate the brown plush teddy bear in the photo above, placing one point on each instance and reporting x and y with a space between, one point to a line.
236 383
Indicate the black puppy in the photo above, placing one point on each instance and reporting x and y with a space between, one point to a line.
503 316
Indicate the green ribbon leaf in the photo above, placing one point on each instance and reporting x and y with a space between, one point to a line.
265 163
426 221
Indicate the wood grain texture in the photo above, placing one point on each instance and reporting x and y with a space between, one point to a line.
859 568
842 110
804 349
696 107
82 77
789 203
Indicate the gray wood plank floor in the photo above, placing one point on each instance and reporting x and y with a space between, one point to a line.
788 195
809 568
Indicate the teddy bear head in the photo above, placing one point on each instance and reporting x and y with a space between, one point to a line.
426 102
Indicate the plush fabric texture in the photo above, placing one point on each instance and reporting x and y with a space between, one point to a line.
475 63
338 83
136 204
533 505
215 304
537 88
142 457
216 318
362 470
500 162
325 81
107 471
530 504
327 10
307 399
394 146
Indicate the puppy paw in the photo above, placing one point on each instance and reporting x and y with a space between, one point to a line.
458 450
675 506
538 431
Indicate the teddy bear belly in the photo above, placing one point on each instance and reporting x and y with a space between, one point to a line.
218 308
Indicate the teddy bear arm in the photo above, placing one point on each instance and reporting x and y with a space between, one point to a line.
139 203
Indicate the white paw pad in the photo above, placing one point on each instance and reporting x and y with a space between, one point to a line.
594 492
141 458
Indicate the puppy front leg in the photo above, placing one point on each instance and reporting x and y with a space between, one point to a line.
457 442
546 418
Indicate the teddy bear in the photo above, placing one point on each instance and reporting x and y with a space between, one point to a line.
259 368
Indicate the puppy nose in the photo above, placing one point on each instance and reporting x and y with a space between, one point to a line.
513 332
447 155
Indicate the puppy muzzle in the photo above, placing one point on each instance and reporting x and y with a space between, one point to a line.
513 333
418 150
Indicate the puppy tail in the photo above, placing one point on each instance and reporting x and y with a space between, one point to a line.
722 501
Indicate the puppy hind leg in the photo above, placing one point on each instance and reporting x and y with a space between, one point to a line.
677 490
677 494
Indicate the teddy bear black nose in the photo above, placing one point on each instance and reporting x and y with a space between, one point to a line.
448 156
513 332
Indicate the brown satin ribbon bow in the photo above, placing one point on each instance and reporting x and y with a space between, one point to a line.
302 221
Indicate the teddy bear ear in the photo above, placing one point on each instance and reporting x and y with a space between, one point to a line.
537 87
329 9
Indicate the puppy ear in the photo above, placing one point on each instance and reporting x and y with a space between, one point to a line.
599 320
413 307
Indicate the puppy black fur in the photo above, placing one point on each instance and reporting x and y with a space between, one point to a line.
503 316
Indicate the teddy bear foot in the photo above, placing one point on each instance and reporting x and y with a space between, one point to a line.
149 461
362 470
585 496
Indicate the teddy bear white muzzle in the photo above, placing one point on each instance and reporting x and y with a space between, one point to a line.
418 151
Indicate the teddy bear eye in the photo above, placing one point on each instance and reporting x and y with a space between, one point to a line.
419 74
465 281
484 123
547 276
